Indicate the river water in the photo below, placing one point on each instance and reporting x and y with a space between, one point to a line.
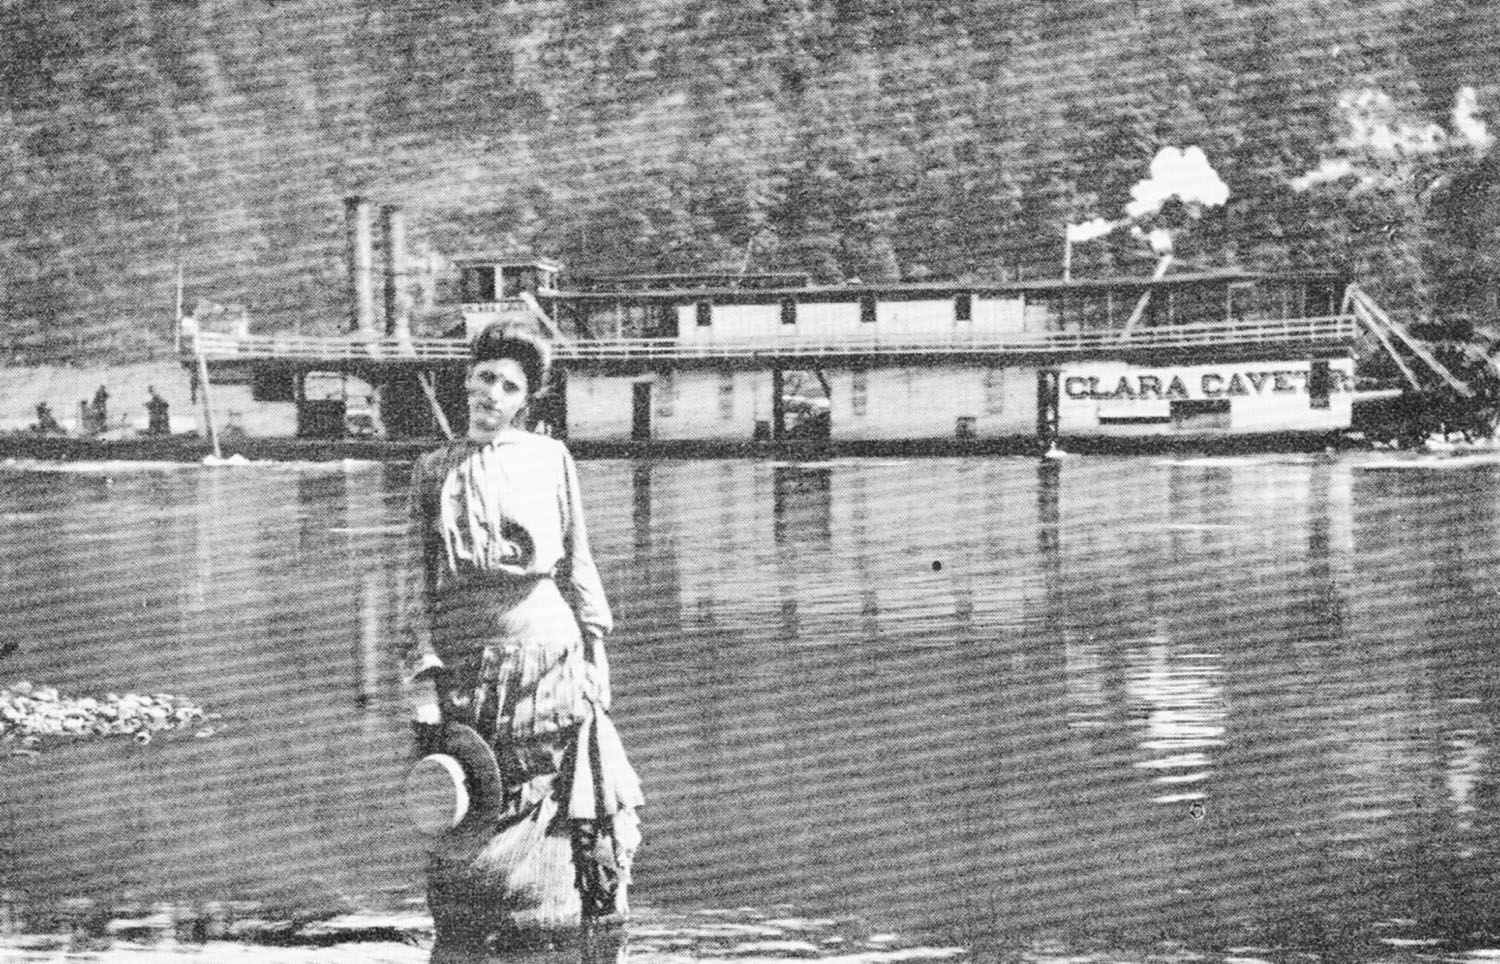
1097 705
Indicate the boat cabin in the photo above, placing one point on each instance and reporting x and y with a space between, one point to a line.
939 313
498 288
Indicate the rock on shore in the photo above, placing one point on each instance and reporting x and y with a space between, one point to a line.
30 714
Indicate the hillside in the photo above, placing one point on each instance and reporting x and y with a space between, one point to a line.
899 139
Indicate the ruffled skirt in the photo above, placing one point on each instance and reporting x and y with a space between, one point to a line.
514 669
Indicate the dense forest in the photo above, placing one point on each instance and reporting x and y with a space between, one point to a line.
899 139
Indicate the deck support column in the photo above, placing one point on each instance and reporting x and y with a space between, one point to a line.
778 406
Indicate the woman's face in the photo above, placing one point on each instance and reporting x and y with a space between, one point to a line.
497 391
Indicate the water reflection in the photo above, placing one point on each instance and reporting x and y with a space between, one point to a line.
640 505
1181 700
1229 701
802 503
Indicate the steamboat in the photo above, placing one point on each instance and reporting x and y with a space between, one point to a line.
724 363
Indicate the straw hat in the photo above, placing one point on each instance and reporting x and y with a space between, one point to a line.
458 784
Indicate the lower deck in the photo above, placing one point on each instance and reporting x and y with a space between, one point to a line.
852 402
935 402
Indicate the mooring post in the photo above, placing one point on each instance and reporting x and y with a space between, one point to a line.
208 410
429 388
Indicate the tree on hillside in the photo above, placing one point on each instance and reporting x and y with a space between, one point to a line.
941 138
1414 196
1465 217
451 66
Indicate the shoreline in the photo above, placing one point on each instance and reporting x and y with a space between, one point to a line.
195 448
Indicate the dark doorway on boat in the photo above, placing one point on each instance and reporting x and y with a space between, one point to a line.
640 411
1319 383
1047 384
803 406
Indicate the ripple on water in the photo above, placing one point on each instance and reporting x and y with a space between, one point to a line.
974 756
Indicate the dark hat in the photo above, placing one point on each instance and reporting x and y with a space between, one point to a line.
458 784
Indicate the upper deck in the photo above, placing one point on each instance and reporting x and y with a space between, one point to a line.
771 321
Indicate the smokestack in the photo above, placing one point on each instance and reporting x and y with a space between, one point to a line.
361 265
397 300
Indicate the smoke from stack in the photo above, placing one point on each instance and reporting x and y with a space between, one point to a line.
1465 120
1378 132
1181 173
1089 230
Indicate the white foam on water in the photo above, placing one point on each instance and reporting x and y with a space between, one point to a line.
338 465
111 466
1432 462
1217 460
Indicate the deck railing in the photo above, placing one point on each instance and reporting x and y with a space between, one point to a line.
218 346
1331 329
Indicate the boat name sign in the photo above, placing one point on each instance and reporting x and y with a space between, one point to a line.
1208 384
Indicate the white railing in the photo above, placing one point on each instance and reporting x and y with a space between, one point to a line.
1334 328
219 347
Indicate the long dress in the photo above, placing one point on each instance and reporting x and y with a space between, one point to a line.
509 607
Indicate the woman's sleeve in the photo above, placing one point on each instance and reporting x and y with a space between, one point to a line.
414 588
579 576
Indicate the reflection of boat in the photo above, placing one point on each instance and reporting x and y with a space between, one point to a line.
715 361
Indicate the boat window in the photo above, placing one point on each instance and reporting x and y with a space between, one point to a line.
1198 304
866 309
705 314
661 317
604 320
1239 300
633 321
1257 301
1121 304
1045 312
476 284
788 311
1092 309
963 306
994 391
514 281
1323 299
726 394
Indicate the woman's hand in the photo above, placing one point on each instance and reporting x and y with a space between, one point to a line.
426 718
423 700
596 670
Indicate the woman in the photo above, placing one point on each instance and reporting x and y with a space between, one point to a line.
507 636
